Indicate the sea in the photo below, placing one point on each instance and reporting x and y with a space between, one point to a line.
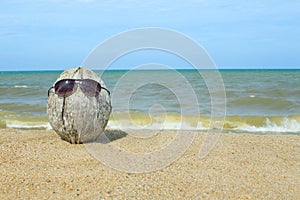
253 101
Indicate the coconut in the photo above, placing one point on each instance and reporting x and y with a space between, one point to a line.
79 118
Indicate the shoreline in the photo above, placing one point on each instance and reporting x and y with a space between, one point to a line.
37 164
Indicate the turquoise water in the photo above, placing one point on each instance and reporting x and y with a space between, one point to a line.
257 100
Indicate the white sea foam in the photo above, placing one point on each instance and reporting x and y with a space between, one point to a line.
27 125
155 126
20 86
286 126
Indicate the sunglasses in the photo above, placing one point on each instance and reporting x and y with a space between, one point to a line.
66 87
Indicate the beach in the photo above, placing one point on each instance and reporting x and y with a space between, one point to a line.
37 164
164 100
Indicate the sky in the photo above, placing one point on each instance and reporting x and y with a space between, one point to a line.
237 34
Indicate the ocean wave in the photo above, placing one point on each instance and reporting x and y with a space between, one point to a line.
286 126
172 121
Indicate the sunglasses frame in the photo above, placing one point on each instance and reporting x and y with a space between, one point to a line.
77 83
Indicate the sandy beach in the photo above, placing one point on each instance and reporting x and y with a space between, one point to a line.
37 164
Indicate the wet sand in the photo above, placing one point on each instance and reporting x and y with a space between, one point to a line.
37 164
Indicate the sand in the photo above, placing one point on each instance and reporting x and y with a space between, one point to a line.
37 164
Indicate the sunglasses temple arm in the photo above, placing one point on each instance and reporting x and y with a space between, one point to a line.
106 90
49 90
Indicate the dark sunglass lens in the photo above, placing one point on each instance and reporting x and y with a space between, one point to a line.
90 87
64 88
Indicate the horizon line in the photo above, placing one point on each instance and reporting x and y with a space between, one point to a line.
57 70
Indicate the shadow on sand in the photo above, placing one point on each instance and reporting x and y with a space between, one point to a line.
111 135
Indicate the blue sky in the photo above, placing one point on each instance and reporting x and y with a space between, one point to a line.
59 34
